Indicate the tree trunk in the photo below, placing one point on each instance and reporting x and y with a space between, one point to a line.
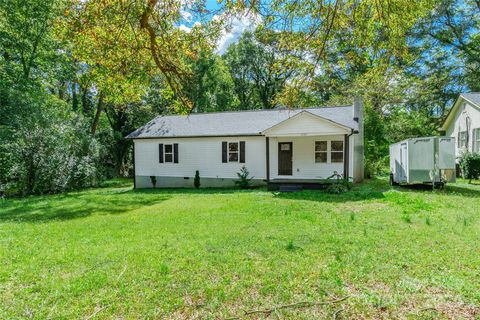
98 113
84 98
74 95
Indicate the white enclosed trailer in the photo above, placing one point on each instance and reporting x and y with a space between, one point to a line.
423 160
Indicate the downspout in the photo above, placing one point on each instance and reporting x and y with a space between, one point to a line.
134 173
267 157
346 165
467 126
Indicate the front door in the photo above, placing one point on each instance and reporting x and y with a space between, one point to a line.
285 158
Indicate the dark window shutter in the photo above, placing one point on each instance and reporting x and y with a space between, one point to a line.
242 151
160 152
224 152
175 152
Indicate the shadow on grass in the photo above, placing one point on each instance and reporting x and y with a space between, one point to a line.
75 205
167 191
471 190
368 190
464 190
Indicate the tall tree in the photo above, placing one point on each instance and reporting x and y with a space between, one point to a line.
257 71
211 86
453 30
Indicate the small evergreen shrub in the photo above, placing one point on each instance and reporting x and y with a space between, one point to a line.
290 246
407 218
153 179
244 179
427 221
196 180
470 165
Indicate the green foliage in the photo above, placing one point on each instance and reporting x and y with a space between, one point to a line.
109 244
49 152
470 165
244 179
375 141
211 85
428 222
407 218
115 67
196 180
291 246
337 184
257 71
153 179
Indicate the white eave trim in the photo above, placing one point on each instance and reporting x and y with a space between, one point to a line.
265 132
453 111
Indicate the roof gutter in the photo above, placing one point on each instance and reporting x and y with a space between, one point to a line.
197 136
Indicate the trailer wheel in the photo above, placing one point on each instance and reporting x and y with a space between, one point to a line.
440 185
392 181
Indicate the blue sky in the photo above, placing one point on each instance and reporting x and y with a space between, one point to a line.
237 25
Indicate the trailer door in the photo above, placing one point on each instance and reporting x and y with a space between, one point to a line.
403 161
446 153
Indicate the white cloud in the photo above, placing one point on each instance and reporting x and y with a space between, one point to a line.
236 26
184 28
186 15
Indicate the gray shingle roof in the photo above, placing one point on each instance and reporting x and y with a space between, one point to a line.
234 123
473 97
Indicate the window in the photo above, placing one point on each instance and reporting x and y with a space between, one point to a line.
337 151
320 151
462 139
233 152
168 153
323 148
476 140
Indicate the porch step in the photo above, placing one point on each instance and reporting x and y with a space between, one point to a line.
290 188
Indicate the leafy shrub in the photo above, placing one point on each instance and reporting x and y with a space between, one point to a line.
244 179
49 152
375 167
470 165
338 184
153 179
290 246
196 180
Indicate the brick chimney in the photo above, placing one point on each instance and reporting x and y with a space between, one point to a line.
358 146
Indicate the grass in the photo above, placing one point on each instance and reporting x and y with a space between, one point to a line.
114 252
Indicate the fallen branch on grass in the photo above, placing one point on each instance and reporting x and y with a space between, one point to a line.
97 310
336 313
296 305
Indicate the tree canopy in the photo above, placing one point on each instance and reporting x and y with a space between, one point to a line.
77 76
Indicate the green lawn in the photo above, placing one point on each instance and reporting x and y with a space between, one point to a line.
114 252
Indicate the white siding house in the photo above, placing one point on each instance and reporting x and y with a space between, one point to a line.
463 123
287 145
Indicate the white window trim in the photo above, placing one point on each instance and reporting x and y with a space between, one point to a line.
237 152
462 139
165 153
315 151
476 140
328 152
342 152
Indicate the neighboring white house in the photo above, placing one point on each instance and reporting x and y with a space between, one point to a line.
275 145
463 123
